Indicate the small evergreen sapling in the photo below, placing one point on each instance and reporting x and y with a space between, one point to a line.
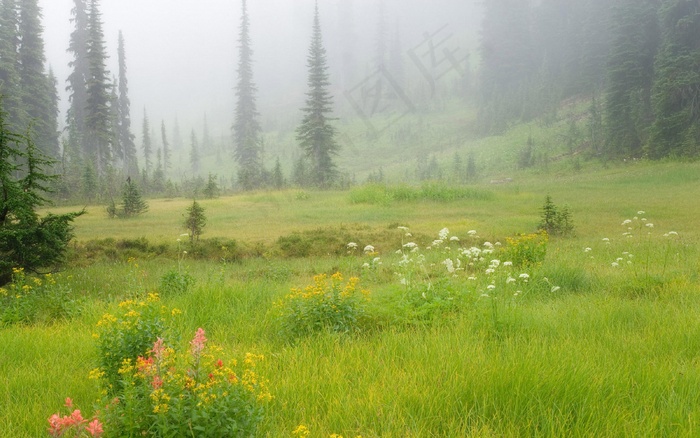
556 222
132 203
195 221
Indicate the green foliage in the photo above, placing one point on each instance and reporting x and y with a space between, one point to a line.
326 305
36 300
431 191
123 337
175 282
26 240
211 190
555 221
195 221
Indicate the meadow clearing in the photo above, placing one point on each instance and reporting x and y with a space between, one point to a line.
594 334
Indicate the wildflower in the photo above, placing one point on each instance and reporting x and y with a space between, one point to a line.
508 263
495 263
471 232
437 242
615 264
454 239
490 271
365 265
69 402
158 349
672 233
472 278
198 342
410 245
588 249
555 288
650 225
606 240
524 276
403 228
641 212
369 249
626 222
491 287
449 264
444 233
301 431
510 280
352 245
488 245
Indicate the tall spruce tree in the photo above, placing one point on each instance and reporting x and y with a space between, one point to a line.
124 134
78 78
98 134
9 65
34 83
246 128
195 158
316 136
167 153
676 93
146 143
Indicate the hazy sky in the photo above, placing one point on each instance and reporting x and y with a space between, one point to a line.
182 54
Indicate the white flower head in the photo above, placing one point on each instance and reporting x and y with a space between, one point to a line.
650 225
352 245
369 249
410 245
444 233
454 239
491 287
510 280
555 288
472 278
641 212
588 249
471 232
508 263
626 222
403 229
524 276
615 264
449 264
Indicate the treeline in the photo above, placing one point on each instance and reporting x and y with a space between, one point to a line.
637 61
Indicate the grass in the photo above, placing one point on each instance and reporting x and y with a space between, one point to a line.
612 353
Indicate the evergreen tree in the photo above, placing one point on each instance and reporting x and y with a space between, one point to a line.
195 159
195 221
277 176
315 135
26 240
125 136
211 190
246 128
78 78
158 183
34 83
98 134
132 202
166 148
9 65
628 111
676 93
52 137
146 143
207 144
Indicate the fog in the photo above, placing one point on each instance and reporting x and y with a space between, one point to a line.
181 54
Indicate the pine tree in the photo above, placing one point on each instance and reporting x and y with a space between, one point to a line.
34 83
246 128
676 93
26 240
277 176
315 135
9 65
166 148
132 203
77 80
195 221
126 137
146 143
98 134
195 159
211 190
52 117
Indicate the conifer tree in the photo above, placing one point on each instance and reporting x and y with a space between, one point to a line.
211 190
78 78
316 136
98 134
9 65
146 143
125 136
166 148
676 93
246 128
132 202
195 221
195 159
34 83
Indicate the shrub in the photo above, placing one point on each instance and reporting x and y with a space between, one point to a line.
122 338
195 221
175 282
327 304
187 393
555 221
39 299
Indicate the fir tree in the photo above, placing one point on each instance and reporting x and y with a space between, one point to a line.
195 221
9 65
195 159
246 128
26 240
316 136
98 135
125 136
211 190
34 83
146 143
277 176
166 149
132 202
78 78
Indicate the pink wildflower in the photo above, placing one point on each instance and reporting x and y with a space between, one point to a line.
158 349
157 382
76 417
55 425
95 428
69 402
198 342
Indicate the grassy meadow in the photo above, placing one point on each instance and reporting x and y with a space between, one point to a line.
599 337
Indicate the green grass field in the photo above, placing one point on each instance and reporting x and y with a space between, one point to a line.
613 352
